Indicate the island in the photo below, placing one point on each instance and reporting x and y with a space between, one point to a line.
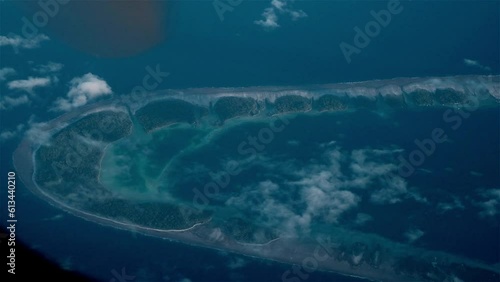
65 170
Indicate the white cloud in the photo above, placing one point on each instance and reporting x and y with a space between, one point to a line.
7 102
292 217
82 90
323 191
54 218
50 67
28 84
9 134
365 168
330 204
297 14
362 218
17 41
265 201
490 206
38 132
375 167
270 20
413 234
456 204
394 188
4 72
473 63
236 263
278 7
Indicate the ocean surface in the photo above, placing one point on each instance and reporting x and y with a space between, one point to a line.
427 39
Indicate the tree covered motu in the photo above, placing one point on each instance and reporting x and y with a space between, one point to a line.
330 103
71 157
165 112
450 96
292 103
443 97
157 215
232 106
68 170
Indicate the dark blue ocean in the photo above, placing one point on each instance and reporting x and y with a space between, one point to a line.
427 39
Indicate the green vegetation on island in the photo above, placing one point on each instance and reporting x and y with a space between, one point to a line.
68 167
450 96
445 96
155 215
330 103
232 106
422 98
166 112
71 157
292 103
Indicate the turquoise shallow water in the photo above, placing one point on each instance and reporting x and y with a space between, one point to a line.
442 177
466 232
